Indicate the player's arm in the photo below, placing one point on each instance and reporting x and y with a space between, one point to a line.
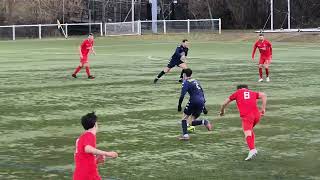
224 105
263 97
80 53
254 50
91 150
93 51
205 111
186 50
270 45
183 93
183 57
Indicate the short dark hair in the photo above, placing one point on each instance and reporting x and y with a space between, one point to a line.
240 86
184 40
89 120
188 72
90 34
261 34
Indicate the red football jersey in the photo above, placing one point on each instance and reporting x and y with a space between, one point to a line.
86 46
264 47
86 167
246 101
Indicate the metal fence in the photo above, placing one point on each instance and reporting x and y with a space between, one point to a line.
111 29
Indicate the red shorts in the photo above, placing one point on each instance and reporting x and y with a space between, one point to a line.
84 59
265 60
250 120
84 176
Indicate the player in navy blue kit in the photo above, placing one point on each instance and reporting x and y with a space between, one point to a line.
195 106
178 59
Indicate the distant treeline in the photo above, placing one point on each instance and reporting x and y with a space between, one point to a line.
239 14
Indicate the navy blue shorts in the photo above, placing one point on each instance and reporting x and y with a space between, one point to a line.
172 63
194 108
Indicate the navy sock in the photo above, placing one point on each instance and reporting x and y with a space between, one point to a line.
199 122
181 75
160 74
184 126
196 122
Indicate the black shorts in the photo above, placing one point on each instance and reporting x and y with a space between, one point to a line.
194 108
172 63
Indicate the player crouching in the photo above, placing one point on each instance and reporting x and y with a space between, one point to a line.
195 106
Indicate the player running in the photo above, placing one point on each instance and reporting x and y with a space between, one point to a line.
179 58
195 106
265 49
84 49
86 156
249 113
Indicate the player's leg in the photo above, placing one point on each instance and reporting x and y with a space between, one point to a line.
196 114
266 67
164 71
247 125
186 120
87 66
195 109
184 126
77 70
183 66
260 66
255 122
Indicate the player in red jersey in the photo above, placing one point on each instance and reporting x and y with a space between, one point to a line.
249 113
265 49
86 156
84 49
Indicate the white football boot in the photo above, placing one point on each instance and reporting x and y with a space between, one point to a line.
260 80
252 153
184 137
268 79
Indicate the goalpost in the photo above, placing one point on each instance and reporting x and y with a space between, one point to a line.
288 17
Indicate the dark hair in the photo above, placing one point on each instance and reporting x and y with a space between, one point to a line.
188 72
261 34
184 40
90 34
89 120
242 86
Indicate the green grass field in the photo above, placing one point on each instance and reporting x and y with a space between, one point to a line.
41 106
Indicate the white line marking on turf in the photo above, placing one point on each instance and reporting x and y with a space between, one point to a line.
153 58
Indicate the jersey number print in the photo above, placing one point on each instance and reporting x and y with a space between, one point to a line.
246 95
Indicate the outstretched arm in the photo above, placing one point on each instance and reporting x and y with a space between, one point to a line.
263 97
94 151
224 105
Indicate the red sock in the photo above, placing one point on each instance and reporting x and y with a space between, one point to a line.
260 73
77 70
88 71
250 142
267 72
253 137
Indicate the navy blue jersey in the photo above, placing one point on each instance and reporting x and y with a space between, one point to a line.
194 89
177 54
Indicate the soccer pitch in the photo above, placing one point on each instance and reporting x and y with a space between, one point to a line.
41 106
